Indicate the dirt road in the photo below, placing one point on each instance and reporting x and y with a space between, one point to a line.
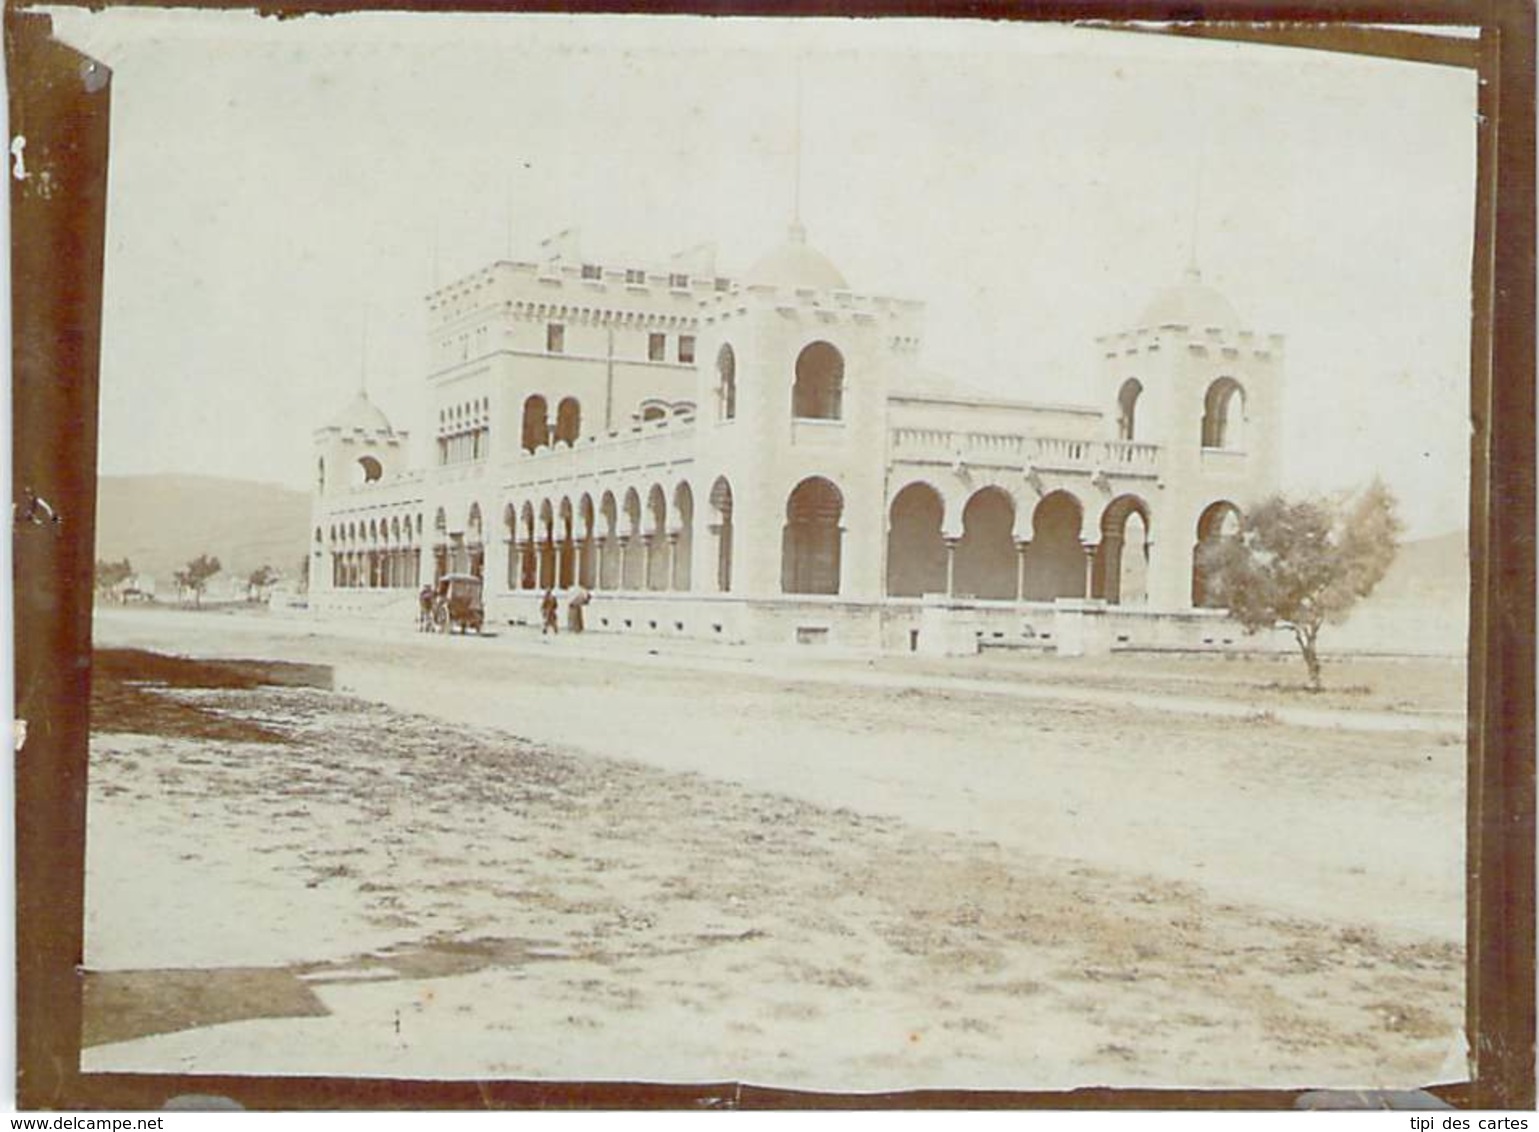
807 862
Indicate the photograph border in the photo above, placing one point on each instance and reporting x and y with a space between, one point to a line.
60 102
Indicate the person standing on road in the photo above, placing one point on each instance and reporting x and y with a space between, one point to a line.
548 607
574 607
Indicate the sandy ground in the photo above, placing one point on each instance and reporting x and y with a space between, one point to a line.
606 859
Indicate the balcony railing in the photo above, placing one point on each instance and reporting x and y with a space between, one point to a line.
650 443
938 445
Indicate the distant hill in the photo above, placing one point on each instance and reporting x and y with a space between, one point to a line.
159 522
1429 569
1421 606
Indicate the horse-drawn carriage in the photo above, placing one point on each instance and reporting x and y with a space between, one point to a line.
454 602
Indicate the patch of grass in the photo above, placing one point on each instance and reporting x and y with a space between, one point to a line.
128 694
121 1005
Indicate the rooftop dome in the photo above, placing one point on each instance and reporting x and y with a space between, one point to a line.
1190 303
795 265
361 413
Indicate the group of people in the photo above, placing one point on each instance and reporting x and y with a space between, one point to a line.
550 607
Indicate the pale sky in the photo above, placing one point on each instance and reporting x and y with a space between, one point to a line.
275 185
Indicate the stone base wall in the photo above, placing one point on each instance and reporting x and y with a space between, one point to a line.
932 626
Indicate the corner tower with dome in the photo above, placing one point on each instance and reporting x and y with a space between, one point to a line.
757 458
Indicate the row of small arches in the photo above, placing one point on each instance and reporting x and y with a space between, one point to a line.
1001 552
468 412
648 536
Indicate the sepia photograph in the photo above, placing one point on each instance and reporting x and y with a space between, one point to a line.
844 555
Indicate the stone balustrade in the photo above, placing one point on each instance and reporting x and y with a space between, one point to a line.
948 446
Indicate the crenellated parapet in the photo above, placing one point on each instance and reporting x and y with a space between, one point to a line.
596 294
1201 341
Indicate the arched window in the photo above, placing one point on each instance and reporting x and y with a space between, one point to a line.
1127 407
536 431
568 420
726 384
1223 414
819 390
809 548
371 468
320 474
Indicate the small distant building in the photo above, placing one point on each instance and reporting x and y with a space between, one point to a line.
139 587
760 457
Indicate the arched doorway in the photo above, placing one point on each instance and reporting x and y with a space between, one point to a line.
1055 560
632 551
684 538
566 550
510 523
393 556
609 576
985 563
475 547
657 539
916 552
529 567
721 530
1122 558
587 551
810 542
440 544
1218 521
547 545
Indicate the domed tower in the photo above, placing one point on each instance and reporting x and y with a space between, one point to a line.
1190 379
355 449
794 374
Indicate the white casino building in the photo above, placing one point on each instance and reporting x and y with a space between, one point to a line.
756 458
